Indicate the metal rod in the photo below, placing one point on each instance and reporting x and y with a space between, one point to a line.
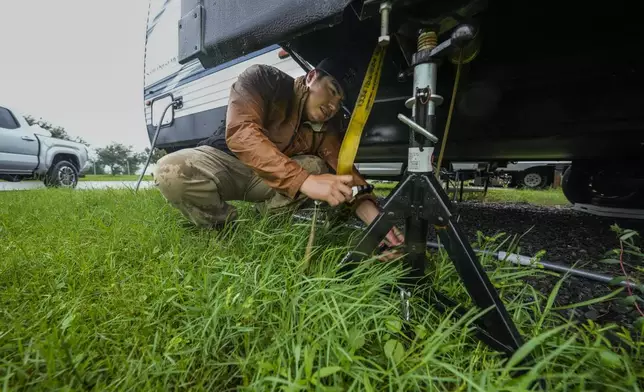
384 38
518 259
525 261
417 128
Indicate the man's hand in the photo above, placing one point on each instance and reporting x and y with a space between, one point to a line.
394 238
331 188
367 212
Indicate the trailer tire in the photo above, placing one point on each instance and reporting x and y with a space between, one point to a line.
534 178
575 185
62 175
584 183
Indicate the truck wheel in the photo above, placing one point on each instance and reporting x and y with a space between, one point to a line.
534 178
62 175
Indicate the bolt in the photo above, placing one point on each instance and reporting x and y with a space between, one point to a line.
195 15
385 8
384 40
390 214
402 76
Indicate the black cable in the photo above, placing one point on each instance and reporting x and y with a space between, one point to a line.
176 102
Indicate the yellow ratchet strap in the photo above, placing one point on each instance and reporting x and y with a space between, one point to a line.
360 114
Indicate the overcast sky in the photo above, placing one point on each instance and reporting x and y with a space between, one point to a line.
77 64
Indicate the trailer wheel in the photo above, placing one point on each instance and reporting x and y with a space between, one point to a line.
534 178
575 184
62 175
603 185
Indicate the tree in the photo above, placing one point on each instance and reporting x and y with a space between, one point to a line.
136 160
96 167
158 154
56 131
30 120
117 157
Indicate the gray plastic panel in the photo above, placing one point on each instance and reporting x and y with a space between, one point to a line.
191 34
234 28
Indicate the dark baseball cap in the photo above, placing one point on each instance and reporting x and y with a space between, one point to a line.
343 73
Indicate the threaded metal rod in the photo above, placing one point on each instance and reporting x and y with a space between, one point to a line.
427 40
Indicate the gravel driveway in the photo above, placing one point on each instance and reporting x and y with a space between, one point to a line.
568 237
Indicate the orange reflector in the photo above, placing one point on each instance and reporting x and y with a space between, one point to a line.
283 54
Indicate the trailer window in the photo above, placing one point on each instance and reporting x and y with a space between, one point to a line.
7 120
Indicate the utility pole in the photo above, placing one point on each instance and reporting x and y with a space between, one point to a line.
128 166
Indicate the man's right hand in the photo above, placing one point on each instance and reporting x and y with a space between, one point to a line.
331 188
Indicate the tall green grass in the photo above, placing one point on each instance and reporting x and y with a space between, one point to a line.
107 290
541 197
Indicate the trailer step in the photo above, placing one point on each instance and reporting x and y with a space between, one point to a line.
612 212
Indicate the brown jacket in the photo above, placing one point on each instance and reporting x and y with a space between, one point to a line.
264 128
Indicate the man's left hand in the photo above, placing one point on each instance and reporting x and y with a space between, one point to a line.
393 239
367 212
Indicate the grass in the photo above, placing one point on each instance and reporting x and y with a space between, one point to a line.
545 197
542 197
106 290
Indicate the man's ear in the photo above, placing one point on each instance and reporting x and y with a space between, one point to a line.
311 76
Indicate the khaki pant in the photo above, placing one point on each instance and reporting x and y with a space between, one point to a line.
198 181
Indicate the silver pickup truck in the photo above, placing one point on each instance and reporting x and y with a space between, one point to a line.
29 151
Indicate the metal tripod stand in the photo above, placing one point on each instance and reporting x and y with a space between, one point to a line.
421 201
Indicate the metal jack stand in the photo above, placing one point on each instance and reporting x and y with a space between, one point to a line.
421 201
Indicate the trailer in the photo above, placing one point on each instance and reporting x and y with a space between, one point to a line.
528 93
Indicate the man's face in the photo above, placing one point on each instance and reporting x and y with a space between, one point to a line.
325 97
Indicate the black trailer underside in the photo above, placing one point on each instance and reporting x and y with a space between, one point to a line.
552 80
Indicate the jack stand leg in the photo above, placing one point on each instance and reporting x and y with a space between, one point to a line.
498 323
419 199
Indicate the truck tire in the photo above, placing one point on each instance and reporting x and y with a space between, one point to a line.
62 175
534 178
